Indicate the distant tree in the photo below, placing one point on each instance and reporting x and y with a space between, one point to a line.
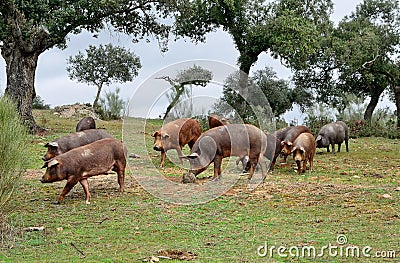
278 92
287 29
30 27
103 65
359 56
38 104
195 75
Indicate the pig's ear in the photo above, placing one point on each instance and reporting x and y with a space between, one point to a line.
319 137
302 150
51 144
283 143
294 149
155 134
52 162
165 136
289 143
44 165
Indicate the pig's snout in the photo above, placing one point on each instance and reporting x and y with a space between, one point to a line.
157 148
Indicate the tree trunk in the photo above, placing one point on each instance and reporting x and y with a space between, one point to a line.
20 69
179 91
244 88
375 94
96 100
396 91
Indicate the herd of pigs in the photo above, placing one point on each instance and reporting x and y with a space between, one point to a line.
89 151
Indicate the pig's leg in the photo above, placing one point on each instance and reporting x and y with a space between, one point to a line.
263 166
180 154
163 155
333 148
121 177
70 184
311 158
303 170
346 141
85 186
217 168
339 144
253 164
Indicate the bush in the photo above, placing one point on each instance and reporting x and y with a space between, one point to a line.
111 107
13 137
38 104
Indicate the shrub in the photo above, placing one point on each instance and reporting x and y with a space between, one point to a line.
13 137
38 104
111 107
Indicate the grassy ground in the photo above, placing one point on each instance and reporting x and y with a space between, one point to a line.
351 195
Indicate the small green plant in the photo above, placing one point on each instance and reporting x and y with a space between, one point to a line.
13 137
111 107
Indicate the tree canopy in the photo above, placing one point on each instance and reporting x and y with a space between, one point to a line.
103 65
29 27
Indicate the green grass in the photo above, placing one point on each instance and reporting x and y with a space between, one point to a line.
347 193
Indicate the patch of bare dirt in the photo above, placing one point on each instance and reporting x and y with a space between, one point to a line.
176 254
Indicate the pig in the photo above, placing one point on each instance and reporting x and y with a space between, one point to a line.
272 152
331 134
86 161
175 135
290 137
303 150
86 123
215 121
228 140
73 140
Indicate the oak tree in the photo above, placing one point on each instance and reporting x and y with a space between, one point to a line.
30 27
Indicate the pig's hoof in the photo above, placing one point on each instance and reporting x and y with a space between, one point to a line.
87 202
56 202
216 179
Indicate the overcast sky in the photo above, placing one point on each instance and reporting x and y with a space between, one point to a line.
54 86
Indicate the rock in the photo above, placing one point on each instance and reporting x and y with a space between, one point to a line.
75 111
188 178
387 196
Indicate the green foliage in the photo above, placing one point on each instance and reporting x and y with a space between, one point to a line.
13 139
181 90
38 104
111 107
279 94
358 56
103 65
317 116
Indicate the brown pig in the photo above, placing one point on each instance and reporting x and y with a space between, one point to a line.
73 140
215 121
228 140
175 135
290 137
303 150
86 161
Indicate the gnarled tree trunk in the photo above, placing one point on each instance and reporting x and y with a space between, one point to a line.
375 93
21 68
396 91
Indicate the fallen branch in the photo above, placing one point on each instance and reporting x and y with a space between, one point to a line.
77 249
34 228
